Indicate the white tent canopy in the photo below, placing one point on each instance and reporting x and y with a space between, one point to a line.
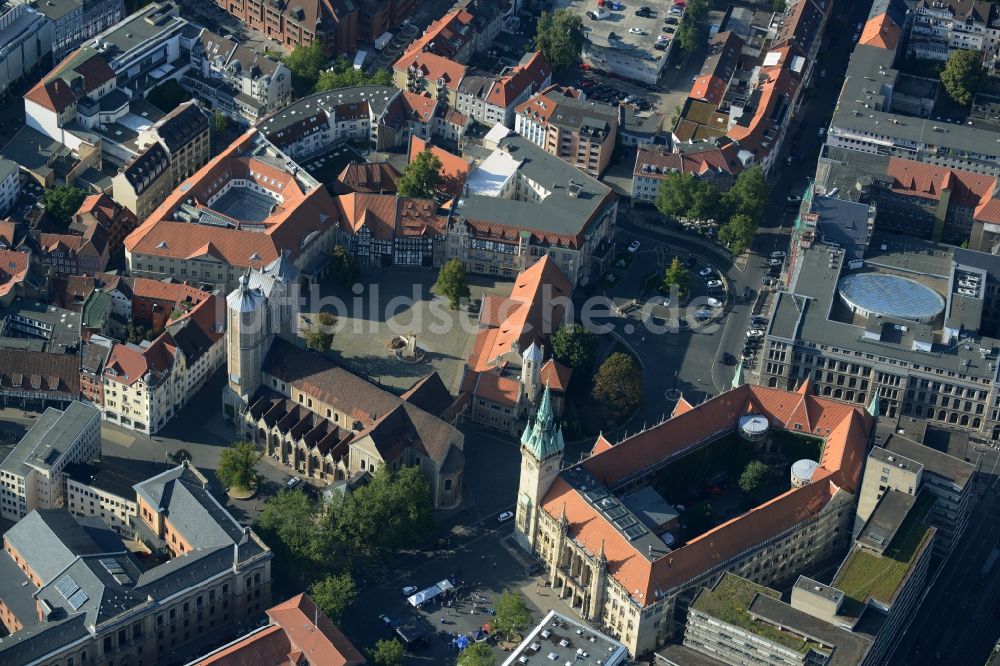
445 585
424 595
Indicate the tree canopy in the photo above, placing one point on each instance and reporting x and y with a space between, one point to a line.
753 477
684 195
306 63
319 338
388 653
691 31
343 267
238 465
451 283
288 525
677 274
513 615
559 37
344 75
963 75
392 512
477 654
748 195
62 202
333 594
573 345
422 177
738 233
618 386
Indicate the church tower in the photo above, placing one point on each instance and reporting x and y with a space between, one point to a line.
261 307
541 458
531 371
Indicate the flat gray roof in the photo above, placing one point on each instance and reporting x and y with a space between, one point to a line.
145 24
567 640
48 438
954 469
864 107
888 516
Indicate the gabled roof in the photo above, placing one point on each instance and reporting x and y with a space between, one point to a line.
433 68
881 32
527 77
49 540
367 178
454 169
79 74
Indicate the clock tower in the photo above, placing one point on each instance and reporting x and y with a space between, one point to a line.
541 459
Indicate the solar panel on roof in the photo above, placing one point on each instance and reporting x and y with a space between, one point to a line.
615 512
78 599
112 566
625 521
635 532
67 586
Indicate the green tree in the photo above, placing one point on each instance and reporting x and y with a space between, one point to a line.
422 176
753 477
344 75
318 339
559 37
704 200
327 319
477 654
675 194
238 465
168 95
392 512
963 75
748 195
333 594
343 266
778 6
220 122
677 274
288 525
574 345
388 653
452 284
62 202
618 386
512 616
306 63
738 233
691 31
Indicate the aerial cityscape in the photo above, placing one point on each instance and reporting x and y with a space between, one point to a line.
499 332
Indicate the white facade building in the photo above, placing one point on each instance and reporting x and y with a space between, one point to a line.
31 475
25 44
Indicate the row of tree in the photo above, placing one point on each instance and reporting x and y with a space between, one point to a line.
741 206
691 31
312 71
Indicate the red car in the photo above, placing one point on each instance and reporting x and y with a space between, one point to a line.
715 490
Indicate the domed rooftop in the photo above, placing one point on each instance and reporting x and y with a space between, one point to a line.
870 294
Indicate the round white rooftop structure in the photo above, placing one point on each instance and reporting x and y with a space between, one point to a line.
802 472
754 426
869 294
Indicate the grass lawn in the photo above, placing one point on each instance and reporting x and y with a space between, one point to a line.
726 456
729 601
867 575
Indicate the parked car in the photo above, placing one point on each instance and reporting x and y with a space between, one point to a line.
793 199
747 293
714 283
777 254
633 246
714 303
533 569
505 516
759 320
728 359
768 281
386 619
705 272
755 333
774 262
292 482
637 31
671 21
409 590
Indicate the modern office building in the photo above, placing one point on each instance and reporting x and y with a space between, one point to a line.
31 476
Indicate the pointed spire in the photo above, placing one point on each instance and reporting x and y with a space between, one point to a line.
873 406
562 514
600 553
544 437
738 377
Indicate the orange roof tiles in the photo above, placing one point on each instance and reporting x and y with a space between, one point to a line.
929 181
417 106
454 169
530 76
881 32
433 67
299 633
555 375
79 74
13 269
845 427
297 216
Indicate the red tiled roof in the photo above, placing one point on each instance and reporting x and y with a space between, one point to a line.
928 181
54 91
433 67
881 32
845 428
418 107
555 375
13 269
298 216
454 169
659 163
530 76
